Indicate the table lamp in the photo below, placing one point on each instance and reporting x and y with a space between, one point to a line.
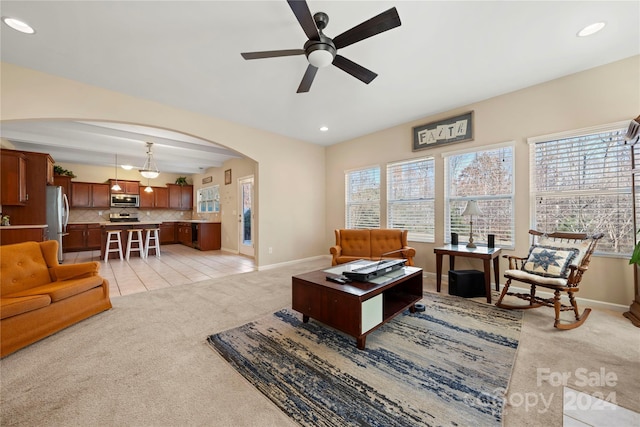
470 210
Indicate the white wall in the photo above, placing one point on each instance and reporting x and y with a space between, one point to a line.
598 96
27 94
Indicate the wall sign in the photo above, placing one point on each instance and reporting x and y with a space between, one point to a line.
454 129
207 180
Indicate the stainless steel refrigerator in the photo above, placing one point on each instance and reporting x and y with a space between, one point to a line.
57 216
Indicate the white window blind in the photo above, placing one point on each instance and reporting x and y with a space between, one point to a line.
583 184
410 198
487 177
363 198
209 199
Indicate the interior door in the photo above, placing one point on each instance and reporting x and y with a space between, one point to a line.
246 214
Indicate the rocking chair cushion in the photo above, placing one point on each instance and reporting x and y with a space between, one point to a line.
549 261
581 246
535 278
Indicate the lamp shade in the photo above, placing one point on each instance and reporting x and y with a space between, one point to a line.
472 209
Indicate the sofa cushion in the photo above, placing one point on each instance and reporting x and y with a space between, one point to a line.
355 243
63 289
386 240
13 306
23 267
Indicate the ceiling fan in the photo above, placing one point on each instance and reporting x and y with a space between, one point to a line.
321 50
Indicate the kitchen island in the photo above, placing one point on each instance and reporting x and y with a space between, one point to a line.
124 226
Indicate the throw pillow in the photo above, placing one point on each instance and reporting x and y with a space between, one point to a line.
549 261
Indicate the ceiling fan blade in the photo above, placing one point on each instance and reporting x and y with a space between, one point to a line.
376 25
357 71
309 75
303 15
272 53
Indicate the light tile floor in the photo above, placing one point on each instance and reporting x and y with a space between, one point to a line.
177 265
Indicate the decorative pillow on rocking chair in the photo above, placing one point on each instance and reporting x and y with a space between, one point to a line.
549 261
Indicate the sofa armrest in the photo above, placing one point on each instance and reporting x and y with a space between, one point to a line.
408 252
336 251
74 271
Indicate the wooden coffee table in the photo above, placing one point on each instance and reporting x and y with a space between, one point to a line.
356 308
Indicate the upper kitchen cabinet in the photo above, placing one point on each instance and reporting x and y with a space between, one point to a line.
63 181
28 174
158 199
180 197
13 178
90 195
126 187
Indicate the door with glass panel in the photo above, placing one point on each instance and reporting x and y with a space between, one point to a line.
245 216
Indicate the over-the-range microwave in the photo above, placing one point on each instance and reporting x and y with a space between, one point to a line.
125 200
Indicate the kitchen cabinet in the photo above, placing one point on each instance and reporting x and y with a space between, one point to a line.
14 178
49 168
18 234
64 182
207 236
90 195
82 237
94 236
184 233
37 172
180 197
158 199
167 233
126 187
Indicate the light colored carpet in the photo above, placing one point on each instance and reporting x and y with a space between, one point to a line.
146 362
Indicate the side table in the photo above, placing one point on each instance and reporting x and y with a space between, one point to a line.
482 252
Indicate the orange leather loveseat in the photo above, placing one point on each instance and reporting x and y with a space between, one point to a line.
41 297
352 245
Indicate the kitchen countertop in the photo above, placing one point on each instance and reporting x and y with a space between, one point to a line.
116 224
15 227
198 221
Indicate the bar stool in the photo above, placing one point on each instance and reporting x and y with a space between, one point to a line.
152 237
135 236
113 236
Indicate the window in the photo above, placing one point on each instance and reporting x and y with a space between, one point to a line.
209 199
363 198
487 177
410 198
581 182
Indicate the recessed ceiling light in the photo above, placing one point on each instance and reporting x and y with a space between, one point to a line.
18 25
324 129
591 29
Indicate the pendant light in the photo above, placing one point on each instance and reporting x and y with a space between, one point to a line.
149 170
116 187
148 189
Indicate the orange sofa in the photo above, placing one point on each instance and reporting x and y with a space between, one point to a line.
352 245
40 297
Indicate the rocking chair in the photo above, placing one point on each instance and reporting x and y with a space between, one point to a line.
556 261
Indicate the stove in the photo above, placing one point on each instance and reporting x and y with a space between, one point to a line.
123 217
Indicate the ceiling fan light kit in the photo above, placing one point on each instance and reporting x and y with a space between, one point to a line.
321 50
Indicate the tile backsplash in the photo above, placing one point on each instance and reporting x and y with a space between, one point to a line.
95 215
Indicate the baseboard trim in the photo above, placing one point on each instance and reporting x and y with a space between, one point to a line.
582 302
295 261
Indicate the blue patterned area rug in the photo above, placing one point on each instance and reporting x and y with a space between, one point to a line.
447 366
